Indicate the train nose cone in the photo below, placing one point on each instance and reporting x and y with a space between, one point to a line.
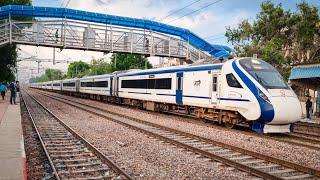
286 110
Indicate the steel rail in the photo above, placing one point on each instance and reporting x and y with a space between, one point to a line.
97 152
209 141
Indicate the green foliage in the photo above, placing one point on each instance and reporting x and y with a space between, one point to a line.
78 69
7 62
49 75
121 61
18 2
100 66
282 38
118 62
8 53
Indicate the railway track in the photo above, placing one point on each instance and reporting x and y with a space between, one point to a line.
307 128
70 155
299 137
259 165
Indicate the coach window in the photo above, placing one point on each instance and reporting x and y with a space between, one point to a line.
151 83
164 83
101 84
69 84
232 81
214 83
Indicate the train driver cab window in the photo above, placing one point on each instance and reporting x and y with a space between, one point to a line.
232 81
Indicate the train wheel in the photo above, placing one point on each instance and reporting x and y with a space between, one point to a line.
227 122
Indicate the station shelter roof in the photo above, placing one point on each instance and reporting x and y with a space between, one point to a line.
308 75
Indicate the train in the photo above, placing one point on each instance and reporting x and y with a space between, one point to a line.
238 91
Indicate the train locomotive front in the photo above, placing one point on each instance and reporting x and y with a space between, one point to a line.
275 105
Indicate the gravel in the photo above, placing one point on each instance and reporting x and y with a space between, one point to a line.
141 156
289 152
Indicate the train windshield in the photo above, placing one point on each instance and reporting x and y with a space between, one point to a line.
264 73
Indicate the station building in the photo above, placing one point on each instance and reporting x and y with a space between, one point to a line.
305 81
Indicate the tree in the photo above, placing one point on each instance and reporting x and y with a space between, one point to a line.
280 37
100 66
53 74
8 53
49 75
118 62
121 61
78 69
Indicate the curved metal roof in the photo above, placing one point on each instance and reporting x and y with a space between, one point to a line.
50 12
308 71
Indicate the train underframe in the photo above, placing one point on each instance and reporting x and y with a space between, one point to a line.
225 117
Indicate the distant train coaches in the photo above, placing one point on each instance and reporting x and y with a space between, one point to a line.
244 90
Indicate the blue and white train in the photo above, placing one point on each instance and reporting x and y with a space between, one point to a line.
244 90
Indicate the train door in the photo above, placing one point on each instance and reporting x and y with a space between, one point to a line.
115 85
215 88
111 85
179 88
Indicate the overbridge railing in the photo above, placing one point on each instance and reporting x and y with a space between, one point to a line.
71 34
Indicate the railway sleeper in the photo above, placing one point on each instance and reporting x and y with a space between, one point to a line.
93 159
53 144
67 151
52 148
303 176
255 161
85 171
281 171
80 165
71 155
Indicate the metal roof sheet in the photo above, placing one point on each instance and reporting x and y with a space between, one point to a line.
302 72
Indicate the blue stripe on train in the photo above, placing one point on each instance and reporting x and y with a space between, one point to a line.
267 111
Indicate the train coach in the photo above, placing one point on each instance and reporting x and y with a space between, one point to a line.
96 85
244 90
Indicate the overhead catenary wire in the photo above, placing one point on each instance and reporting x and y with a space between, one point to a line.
67 4
214 35
178 10
62 3
208 5
216 38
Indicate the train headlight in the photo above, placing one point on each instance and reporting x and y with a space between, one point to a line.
263 96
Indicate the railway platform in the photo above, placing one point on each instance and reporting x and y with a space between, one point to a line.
12 153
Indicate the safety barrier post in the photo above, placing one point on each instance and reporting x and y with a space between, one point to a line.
131 42
111 34
10 29
188 50
106 38
64 33
169 46
152 41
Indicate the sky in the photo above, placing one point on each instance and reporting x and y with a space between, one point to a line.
209 22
